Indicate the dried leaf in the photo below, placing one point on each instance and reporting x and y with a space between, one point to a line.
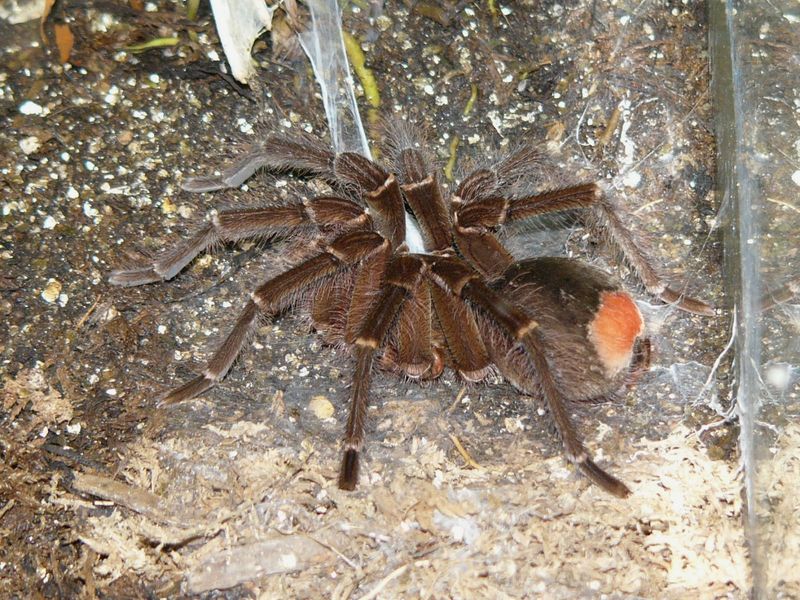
156 43
239 24
64 41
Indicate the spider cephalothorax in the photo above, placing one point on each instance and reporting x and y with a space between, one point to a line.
453 297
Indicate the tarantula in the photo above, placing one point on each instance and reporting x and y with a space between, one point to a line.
395 265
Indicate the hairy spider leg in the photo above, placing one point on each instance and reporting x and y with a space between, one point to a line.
237 224
461 335
456 286
456 321
402 276
273 295
424 196
299 154
417 353
455 276
368 279
475 220
488 212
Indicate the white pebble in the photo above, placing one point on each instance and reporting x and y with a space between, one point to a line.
51 291
49 222
632 179
112 97
89 210
30 144
30 108
779 376
796 177
321 407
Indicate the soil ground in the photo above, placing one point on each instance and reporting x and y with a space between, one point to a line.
465 492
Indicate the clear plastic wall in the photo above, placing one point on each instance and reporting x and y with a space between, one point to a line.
756 57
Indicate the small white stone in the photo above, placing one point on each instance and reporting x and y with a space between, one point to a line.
72 193
321 407
89 210
30 144
779 376
49 222
796 177
30 108
74 429
112 97
632 179
51 291
111 391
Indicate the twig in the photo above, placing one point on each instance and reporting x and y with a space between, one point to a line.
384 582
8 506
463 452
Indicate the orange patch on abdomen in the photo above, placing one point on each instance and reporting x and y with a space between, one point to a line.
614 330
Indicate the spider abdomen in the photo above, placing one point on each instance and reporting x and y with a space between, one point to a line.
591 326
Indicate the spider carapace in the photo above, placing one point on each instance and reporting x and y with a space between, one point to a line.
419 280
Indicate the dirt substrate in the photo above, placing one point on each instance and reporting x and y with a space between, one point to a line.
464 491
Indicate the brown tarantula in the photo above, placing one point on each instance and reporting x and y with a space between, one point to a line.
395 265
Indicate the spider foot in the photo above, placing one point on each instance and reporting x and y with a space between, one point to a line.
133 276
204 183
697 307
348 476
598 476
187 391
